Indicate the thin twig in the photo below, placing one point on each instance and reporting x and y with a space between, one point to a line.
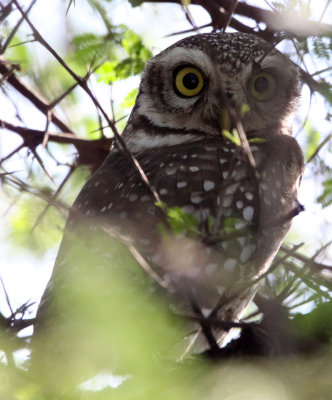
14 30
83 83
319 148
230 14
189 16
6 295
51 202
34 98
17 149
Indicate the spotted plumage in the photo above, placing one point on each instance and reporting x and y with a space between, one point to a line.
181 132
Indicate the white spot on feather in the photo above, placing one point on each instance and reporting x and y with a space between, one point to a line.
230 264
208 185
227 201
249 196
247 252
181 184
231 189
194 198
210 268
248 213
133 197
239 204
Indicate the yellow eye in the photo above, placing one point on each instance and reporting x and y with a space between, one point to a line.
262 86
188 81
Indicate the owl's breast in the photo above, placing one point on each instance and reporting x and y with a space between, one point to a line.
208 229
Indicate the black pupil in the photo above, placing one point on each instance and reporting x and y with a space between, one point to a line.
261 84
190 81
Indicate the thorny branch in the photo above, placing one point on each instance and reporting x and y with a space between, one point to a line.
83 83
220 10
90 152
7 70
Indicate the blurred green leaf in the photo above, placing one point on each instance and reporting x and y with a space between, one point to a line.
107 73
134 46
91 48
244 109
316 325
257 140
230 224
45 235
322 47
326 197
112 71
313 137
179 220
90 125
232 136
18 52
130 99
52 80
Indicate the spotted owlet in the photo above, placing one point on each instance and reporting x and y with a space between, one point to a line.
211 131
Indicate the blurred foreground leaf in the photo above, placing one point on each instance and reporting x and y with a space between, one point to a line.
25 233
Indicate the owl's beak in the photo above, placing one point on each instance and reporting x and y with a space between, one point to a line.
225 120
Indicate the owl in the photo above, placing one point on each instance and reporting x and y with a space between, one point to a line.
216 187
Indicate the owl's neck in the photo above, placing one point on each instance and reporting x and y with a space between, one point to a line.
141 134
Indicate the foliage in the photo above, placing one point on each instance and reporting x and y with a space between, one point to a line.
313 138
135 331
178 220
26 234
232 136
326 197
138 54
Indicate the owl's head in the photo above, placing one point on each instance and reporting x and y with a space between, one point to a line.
188 89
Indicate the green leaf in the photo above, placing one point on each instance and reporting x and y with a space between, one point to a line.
317 325
112 71
326 197
89 47
134 46
256 140
179 220
312 140
18 52
90 126
107 72
230 224
232 136
131 42
130 99
244 109
322 47
36 238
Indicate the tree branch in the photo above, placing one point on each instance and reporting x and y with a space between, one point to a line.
274 21
7 70
91 152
